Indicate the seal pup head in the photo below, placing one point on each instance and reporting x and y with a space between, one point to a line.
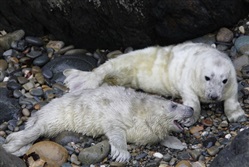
173 115
215 77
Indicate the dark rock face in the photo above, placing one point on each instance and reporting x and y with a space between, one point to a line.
236 154
9 160
9 107
114 24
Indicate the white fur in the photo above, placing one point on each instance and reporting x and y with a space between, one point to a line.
121 114
176 70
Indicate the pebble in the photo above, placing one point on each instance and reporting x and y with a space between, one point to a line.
3 65
52 153
56 45
184 163
25 112
242 44
94 154
41 60
29 85
36 91
224 35
213 150
34 41
34 54
207 122
158 155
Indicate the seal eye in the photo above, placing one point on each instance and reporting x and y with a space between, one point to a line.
224 81
207 78
173 106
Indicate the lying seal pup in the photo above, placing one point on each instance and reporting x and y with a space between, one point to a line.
121 114
193 71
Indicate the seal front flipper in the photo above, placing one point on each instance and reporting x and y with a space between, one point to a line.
117 140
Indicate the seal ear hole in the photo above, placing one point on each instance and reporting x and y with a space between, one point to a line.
207 78
224 81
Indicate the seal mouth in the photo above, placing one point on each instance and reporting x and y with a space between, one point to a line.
179 124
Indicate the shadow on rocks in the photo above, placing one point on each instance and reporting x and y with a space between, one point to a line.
9 160
236 154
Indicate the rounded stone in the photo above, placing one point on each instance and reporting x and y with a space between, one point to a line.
52 153
94 154
3 65
28 85
41 60
36 91
66 137
242 44
40 78
12 85
25 112
184 163
224 35
34 41
207 122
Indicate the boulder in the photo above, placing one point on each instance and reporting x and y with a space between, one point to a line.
116 24
236 154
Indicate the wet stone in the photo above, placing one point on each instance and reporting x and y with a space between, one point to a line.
2 75
3 65
41 60
209 142
56 45
22 80
10 52
184 155
66 137
40 78
19 45
213 150
242 44
34 53
29 85
36 91
12 85
94 154
47 73
141 156
224 35
17 93
245 71
25 60
34 41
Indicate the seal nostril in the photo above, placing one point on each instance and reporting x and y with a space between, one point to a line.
214 97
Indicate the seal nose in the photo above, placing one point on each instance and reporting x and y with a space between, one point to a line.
190 112
214 97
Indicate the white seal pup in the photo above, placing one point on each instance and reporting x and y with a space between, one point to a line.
121 114
193 71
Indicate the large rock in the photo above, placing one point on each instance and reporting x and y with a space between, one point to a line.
112 24
9 160
9 107
236 154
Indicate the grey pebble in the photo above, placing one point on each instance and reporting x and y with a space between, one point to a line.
47 73
17 93
2 75
22 80
12 85
242 44
34 53
66 137
34 41
29 85
94 154
19 45
10 52
36 91
141 156
213 150
184 155
41 60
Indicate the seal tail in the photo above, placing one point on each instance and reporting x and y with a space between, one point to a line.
77 80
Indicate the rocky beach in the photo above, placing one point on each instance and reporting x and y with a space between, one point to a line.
31 76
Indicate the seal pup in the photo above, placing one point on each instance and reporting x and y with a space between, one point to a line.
122 114
193 71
